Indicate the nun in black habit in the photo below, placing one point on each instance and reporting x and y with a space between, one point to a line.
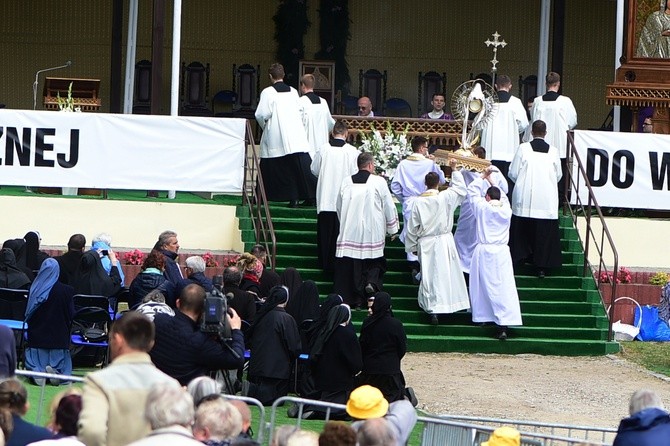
10 274
93 279
383 344
275 344
335 358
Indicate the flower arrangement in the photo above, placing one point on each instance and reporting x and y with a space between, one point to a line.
230 260
209 259
67 105
623 276
388 150
134 257
660 278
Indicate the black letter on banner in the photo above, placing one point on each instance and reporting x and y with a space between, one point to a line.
616 169
41 147
591 155
658 175
74 151
22 149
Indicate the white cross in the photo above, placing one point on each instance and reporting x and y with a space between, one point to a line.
495 43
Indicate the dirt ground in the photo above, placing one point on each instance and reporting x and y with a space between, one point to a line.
585 391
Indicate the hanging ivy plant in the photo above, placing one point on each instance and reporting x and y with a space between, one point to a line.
333 38
291 25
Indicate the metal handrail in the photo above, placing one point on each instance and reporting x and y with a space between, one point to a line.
573 186
254 198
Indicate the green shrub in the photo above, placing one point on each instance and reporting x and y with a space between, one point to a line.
659 278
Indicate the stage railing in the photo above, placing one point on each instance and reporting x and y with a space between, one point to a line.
439 132
253 197
598 240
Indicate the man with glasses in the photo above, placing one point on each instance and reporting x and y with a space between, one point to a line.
365 107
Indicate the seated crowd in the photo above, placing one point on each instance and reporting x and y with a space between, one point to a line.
159 344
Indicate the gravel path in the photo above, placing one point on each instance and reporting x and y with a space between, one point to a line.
586 391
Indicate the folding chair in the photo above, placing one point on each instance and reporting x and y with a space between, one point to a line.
87 321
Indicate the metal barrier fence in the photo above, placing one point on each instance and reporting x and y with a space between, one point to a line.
589 434
78 379
301 403
454 430
438 431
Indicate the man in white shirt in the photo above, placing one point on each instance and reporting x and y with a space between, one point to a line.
493 292
442 289
409 182
285 161
559 114
534 234
367 214
316 115
500 137
332 163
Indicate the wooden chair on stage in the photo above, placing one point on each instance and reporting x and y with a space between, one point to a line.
195 90
142 90
246 85
527 88
430 83
372 84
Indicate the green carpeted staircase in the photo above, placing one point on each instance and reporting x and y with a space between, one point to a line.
562 313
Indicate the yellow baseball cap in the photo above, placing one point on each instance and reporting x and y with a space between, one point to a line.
504 436
367 402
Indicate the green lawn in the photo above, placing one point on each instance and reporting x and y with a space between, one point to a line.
654 356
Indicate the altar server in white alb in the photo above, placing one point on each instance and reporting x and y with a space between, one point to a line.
465 236
558 112
332 163
367 214
316 115
285 161
409 182
442 289
501 136
534 235
492 289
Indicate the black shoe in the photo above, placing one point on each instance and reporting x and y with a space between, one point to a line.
434 320
411 396
370 289
541 274
415 279
293 204
502 335
309 202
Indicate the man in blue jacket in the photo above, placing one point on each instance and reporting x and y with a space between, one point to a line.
648 424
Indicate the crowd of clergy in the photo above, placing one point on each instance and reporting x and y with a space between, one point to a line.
508 214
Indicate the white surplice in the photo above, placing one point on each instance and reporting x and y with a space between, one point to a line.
367 214
409 181
500 137
331 165
465 236
559 115
535 175
493 292
279 114
442 288
318 122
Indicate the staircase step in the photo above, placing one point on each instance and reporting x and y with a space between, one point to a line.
562 313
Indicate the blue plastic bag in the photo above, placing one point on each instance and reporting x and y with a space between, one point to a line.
652 327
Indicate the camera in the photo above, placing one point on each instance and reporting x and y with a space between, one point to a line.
216 318
104 252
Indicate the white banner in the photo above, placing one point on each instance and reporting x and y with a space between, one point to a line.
109 151
626 170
